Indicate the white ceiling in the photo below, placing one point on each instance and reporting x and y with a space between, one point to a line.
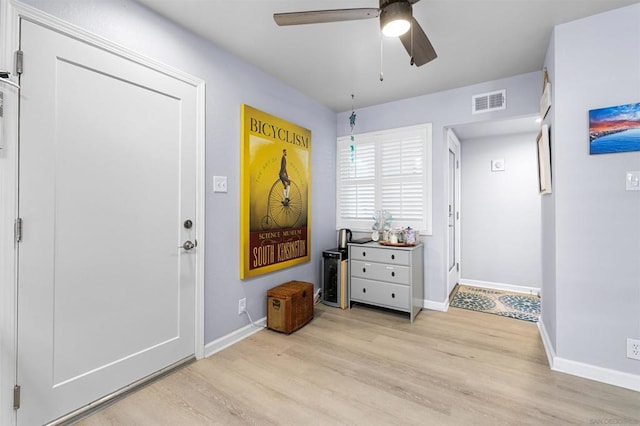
476 41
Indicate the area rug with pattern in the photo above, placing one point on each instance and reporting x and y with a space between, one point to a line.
513 305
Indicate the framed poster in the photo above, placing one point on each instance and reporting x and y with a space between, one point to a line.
275 193
544 161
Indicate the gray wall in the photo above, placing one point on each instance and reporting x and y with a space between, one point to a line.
500 211
596 63
230 82
444 109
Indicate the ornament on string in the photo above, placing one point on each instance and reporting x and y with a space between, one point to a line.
352 118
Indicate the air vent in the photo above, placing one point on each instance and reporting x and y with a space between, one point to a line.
486 102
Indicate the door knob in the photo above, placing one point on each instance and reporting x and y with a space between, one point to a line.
188 245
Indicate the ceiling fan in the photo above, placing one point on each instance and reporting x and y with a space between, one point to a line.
396 20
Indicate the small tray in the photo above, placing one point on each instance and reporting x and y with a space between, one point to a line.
362 240
387 243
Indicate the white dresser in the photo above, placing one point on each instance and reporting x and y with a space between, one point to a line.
391 277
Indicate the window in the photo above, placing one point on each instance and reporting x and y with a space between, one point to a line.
388 170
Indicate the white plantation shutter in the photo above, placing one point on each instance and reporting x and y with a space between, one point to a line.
403 176
356 173
388 170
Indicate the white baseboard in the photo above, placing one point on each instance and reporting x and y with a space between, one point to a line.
234 337
436 306
501 286
587 371
599 374
546 342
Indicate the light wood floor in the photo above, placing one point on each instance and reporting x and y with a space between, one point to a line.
370 367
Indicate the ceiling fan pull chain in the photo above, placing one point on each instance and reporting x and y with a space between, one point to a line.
411 62
381 74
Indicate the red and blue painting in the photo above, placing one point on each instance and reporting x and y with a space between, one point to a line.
614 129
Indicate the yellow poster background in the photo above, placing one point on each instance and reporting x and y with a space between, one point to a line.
275 193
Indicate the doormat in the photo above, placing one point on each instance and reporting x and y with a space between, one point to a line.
497 302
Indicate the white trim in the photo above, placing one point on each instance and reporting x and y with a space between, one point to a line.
201 191
452 139
546 342
501 286
234 337
599 374
586 371
10 13
436 306
8 214
54 23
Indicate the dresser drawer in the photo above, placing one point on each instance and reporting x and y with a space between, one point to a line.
379 254
382 294
381 271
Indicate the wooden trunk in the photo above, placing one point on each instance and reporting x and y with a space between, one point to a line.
289 306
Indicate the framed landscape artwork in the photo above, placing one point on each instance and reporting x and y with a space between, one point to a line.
614 129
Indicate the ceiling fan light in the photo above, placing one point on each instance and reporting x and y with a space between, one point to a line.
395 19
396 28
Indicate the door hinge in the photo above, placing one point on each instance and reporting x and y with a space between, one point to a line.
458 267
19 63
457 164
457 215
18 230
16 397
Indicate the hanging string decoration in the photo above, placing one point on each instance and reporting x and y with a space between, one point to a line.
352 124
352 118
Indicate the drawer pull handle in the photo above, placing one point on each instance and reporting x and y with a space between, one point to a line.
364 269
393 256
364 254
393 295
364 290
393 274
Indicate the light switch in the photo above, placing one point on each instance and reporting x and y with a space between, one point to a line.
219 184
497 165
633 181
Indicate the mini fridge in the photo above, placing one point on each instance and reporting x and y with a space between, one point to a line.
335 282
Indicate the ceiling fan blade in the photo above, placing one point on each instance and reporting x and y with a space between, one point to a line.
322 16
422 50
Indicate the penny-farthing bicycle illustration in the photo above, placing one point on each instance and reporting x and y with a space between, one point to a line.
283 212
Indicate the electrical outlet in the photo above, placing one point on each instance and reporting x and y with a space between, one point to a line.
633 348
242 305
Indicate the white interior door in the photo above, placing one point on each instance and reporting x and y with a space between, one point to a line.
453 210
107 180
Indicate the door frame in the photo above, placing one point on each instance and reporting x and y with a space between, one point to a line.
453 139
11 12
